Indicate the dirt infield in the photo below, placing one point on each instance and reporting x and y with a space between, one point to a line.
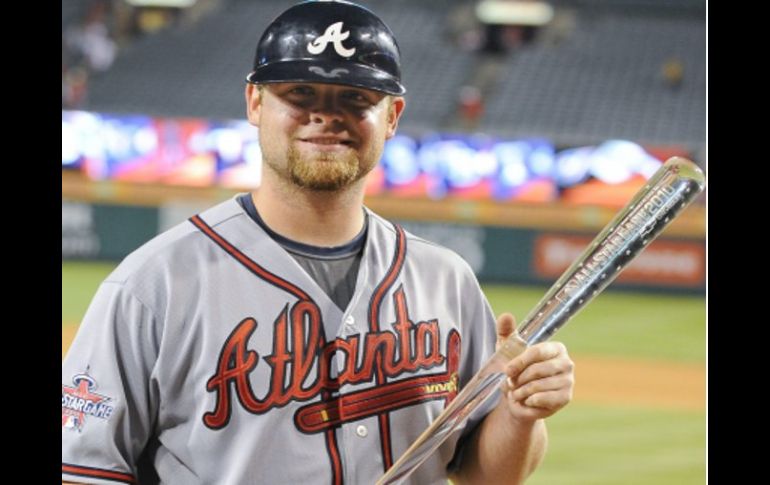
646 383
616 381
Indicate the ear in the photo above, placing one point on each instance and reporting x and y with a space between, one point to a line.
397 106
253 103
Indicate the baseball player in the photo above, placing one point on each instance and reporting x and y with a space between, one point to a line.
291 335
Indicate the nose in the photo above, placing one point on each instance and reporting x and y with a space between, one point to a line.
327 109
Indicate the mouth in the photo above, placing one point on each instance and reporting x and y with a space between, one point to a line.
328 142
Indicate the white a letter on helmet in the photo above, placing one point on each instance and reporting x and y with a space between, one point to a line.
335 35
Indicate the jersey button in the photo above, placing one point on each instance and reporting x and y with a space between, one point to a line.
362 431
350 321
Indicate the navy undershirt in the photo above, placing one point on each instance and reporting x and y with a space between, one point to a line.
334 269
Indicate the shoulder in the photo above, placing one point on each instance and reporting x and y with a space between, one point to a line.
425 253
179 246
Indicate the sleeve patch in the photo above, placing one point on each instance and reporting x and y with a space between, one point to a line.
79 402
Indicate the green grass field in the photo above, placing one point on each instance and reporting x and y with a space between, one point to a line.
79 282
601 445
590 444
622 324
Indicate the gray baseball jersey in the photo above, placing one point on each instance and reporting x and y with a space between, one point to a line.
210 355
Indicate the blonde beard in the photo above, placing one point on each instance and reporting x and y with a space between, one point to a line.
326 172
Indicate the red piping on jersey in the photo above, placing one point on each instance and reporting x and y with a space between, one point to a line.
86 471
333 450
246 261
387 282
331 440
374 326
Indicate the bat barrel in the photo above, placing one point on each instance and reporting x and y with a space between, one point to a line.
672 188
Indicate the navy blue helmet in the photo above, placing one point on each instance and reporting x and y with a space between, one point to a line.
335 42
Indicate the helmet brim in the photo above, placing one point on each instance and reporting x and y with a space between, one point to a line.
314 71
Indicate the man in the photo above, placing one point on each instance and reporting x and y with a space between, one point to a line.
291 335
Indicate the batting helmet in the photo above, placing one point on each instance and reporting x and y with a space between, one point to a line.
335 42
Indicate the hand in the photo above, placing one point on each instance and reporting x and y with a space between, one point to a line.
540 380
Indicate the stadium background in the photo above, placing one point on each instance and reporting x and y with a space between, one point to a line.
597 71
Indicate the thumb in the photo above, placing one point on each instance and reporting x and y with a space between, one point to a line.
506 325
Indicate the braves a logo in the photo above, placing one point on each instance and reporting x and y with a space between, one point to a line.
335 35
80 401
301 368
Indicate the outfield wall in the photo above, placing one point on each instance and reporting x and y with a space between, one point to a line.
528 255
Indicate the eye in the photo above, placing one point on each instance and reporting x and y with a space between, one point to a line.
356 97
302 91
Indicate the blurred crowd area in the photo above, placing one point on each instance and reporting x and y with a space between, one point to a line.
94 31
575 73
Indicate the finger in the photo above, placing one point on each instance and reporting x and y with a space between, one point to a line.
506 325
559 366
536 353
555 383
550 400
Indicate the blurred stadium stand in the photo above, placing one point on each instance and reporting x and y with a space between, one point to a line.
606 81
633 69
72 11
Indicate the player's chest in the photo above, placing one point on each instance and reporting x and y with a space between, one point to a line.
293 312
263 349
283 327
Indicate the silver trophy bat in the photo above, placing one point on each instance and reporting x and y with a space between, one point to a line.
664 196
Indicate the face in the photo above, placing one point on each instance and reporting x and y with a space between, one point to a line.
322 137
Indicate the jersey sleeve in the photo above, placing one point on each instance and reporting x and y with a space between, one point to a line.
479 330
109 397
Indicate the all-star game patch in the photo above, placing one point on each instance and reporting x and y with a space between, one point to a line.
80 401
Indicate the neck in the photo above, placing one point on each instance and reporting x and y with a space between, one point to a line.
317 218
